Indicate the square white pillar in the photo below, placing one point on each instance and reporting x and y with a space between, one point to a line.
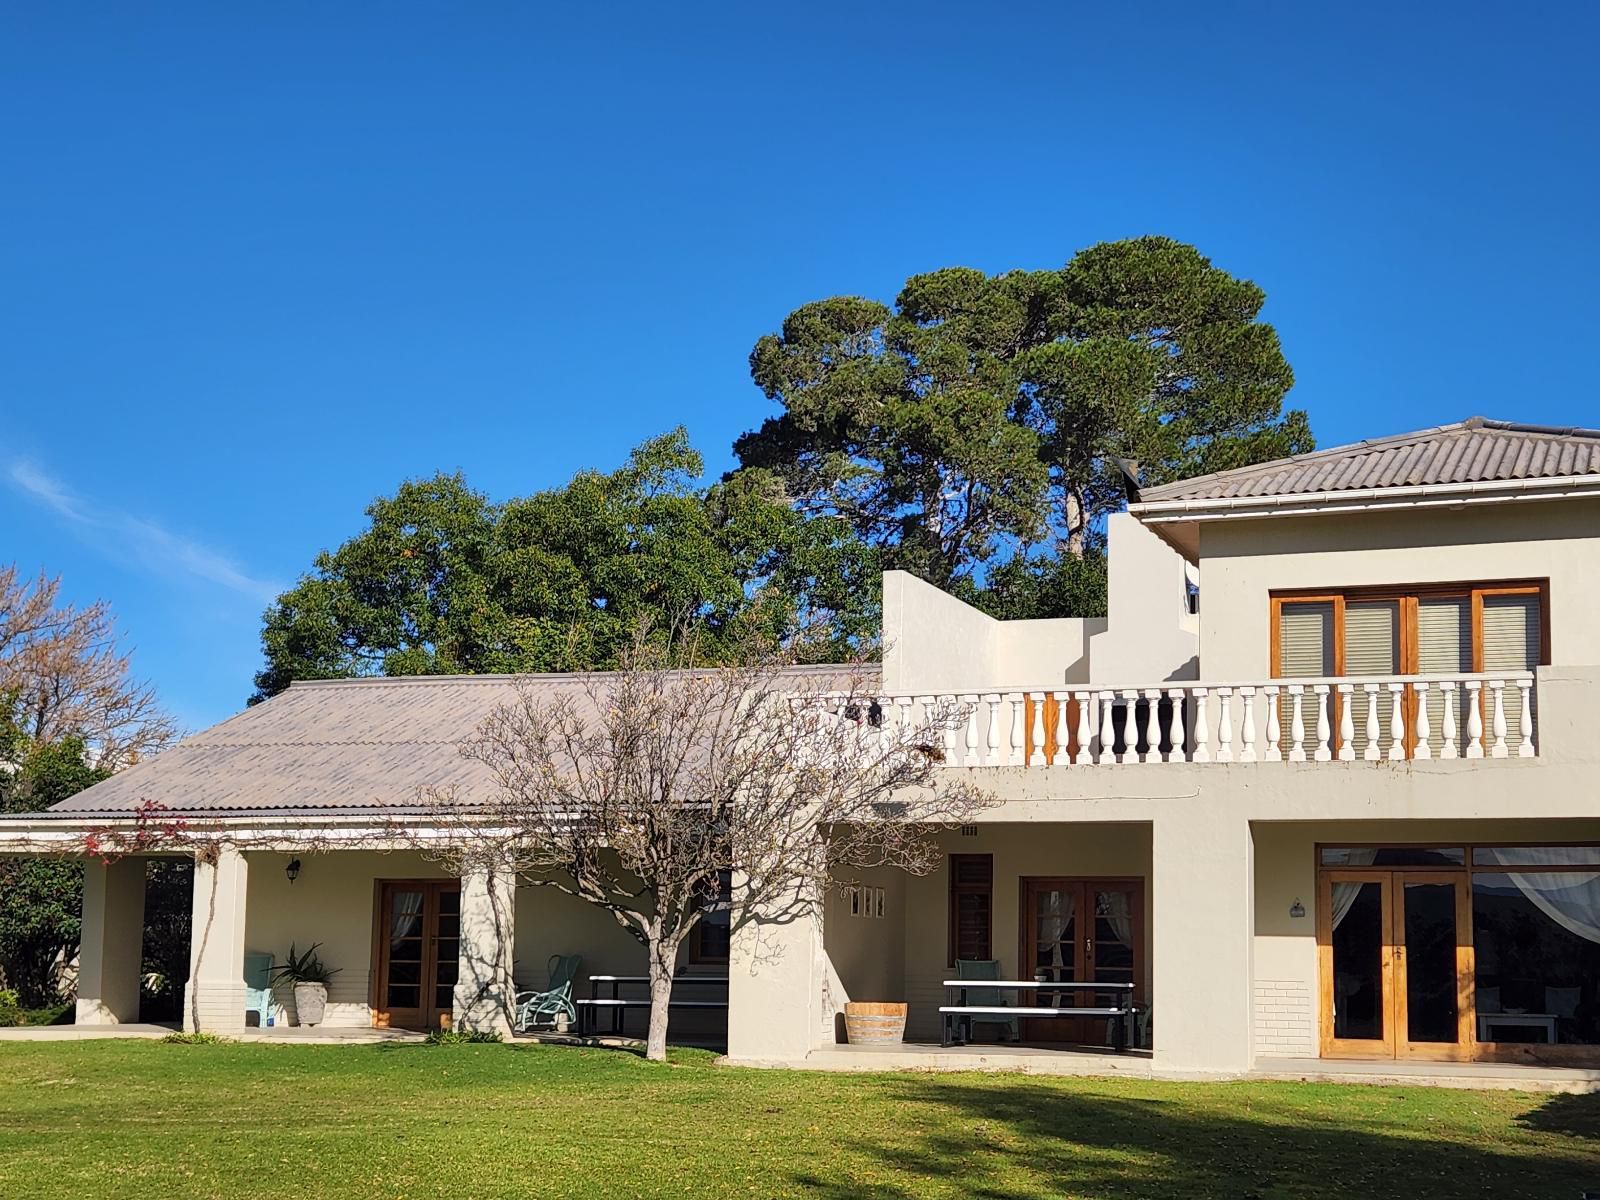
214 999
111 945
777 974
485 994
1202 925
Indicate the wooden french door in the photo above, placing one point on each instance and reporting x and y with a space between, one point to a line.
1080 931
417 943
1396 967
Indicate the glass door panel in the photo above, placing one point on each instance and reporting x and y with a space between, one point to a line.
1356 918
1432 985
419 945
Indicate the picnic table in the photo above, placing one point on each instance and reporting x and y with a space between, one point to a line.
960 1013
617 1005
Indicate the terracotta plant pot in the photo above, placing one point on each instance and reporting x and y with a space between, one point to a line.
310 1003
872 1024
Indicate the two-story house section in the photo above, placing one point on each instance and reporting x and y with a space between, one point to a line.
1323 784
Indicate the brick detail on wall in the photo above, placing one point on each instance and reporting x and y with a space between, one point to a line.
1286 1022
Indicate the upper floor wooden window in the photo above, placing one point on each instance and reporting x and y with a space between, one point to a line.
1440 629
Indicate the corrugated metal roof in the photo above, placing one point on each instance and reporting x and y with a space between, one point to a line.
339 745
1476 450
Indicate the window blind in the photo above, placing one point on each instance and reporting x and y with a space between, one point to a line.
1511 642
1371 647
1444 647
1305 640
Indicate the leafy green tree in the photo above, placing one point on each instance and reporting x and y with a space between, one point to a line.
443 580
973 431
41 899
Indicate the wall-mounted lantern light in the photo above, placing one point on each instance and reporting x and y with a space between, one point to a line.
293 869
1297 909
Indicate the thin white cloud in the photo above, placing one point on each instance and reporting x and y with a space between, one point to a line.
152 544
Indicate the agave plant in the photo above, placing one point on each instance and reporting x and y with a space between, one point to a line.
304 968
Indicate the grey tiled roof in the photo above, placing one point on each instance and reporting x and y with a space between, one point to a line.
1476 450
336 745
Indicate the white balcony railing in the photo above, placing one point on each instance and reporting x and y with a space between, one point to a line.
1395 717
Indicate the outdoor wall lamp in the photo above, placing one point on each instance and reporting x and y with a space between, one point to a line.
1295 910
293 869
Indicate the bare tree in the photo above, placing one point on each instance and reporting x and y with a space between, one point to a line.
642 790
64 674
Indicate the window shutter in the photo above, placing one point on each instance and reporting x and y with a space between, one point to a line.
1511 641
1305 639
1444 647
971 906
1371 647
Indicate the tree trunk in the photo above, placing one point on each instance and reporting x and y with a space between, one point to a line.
663 961
1074 544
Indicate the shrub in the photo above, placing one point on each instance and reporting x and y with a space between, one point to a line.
455 1037
195 1039
10 1008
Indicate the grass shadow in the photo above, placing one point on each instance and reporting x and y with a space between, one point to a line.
1109 1147
1568 1115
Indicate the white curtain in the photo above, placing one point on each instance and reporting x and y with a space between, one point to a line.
407 916
1569 898
1114 907
1344 894
1055 914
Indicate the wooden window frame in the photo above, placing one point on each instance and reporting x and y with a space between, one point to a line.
1408 597
958 889
697 952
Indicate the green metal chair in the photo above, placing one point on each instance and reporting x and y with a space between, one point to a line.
258 986
986 968
542 1008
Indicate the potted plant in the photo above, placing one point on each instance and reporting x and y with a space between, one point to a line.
310 976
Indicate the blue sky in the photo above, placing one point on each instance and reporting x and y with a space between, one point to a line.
260 263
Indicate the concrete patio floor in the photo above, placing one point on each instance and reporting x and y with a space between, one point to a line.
1484 1076
281 1034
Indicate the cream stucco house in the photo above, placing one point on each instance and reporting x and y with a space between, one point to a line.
1324 784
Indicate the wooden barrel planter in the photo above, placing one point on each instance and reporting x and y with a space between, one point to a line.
874 1024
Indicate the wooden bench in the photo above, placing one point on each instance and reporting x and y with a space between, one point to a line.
960 1013
589 1009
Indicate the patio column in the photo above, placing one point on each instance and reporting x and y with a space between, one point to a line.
214 999
485 992
111 944
1203 899
776 978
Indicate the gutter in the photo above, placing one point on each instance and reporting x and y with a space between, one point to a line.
1434 495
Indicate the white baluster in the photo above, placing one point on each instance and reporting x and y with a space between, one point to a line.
971 738
1085 753
1373 751
1018 755
1447 748
1297 724
1130 727
991 743
1324 730
1474 719
1036 756
1274 727
1497 690
1150 724
1247 727
903 719
1202 728
1108 732
939 709
1179 752
1397 721
1525 720
1224 724
1422 749
1347 722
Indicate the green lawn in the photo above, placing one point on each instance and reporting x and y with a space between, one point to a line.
144 1119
